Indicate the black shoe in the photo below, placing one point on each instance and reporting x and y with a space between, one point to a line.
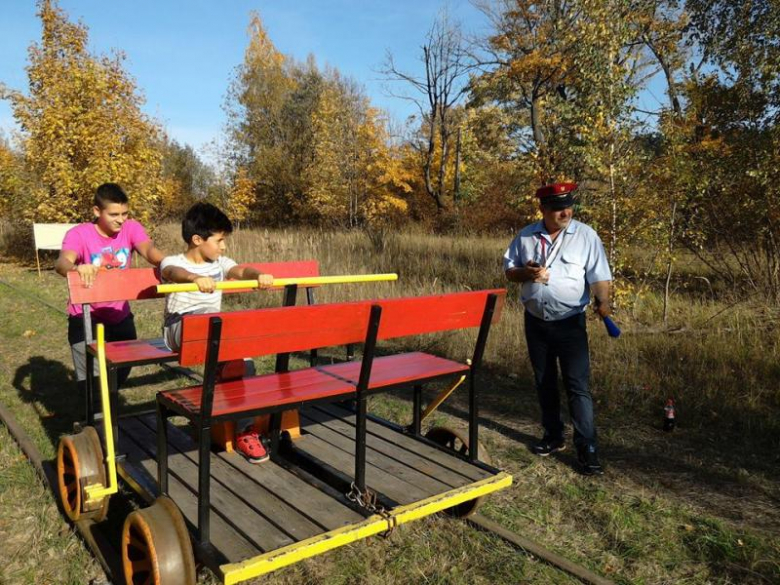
548 445
589 460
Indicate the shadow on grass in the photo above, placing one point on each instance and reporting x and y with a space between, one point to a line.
51 390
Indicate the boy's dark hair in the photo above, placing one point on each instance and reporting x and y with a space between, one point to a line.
204 220
109 193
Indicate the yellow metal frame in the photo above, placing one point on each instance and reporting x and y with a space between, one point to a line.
95 492
282 282
441 397
288 555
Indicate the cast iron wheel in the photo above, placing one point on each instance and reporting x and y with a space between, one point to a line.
156 547
458 441
79 463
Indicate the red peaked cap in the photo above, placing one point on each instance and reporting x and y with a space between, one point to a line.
558 195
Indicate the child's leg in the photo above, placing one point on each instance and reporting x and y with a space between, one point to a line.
122 331
78 347
172 335
78 351
240 435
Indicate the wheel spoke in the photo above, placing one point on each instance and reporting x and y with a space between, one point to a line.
143 565
137 543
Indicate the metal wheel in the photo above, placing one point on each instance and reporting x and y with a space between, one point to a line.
79 463
458 441
156 547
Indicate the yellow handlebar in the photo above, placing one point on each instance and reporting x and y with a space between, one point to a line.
281 282
95 492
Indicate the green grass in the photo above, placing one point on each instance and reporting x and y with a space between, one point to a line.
695 506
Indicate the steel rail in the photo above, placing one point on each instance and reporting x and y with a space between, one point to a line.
106 555
537 550
102 550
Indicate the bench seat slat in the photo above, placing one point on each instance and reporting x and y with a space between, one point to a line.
137 350
247 394
398 369
252 393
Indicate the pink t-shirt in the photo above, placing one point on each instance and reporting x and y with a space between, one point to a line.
108 253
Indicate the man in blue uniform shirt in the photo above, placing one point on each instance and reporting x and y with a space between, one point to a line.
558 262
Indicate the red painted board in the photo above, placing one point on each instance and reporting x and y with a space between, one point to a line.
418 315
287 329
397 369
133 284
122 352
314 383
276 330
252 393
129 284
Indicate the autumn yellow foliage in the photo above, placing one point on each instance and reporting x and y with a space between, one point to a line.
82 126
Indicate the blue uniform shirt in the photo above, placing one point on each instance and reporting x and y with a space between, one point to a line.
575 259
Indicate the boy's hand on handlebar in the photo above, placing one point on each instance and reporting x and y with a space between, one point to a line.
205 284
265 281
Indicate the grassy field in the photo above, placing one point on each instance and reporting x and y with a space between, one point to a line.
699 505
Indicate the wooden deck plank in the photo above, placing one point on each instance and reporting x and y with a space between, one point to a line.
379 460
255 495
244 519
378 480
224 539
310 501
463 467
410 458
288 495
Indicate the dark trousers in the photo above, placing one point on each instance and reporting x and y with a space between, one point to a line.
564 342
122 331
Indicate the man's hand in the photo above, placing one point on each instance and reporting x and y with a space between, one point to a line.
537 273
531 272
601 295
87 272
265 280
602 308
205 284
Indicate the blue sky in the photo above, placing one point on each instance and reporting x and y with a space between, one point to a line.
182 53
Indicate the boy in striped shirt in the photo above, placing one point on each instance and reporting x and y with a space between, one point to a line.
205 229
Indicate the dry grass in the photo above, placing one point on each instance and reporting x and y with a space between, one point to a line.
695 506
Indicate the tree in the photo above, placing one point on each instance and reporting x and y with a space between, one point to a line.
526 65
12 180
436 94
354 176
188 179
262 125
82 126
241 197
309 142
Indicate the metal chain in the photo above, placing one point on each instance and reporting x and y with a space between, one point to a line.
368 501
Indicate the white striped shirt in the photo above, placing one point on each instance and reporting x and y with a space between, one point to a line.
187 303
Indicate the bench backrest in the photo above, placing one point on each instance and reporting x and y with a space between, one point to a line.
134 284
282 330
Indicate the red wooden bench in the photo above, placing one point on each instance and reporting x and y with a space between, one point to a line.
211 339
138 284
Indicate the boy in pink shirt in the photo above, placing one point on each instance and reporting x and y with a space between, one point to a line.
106 243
